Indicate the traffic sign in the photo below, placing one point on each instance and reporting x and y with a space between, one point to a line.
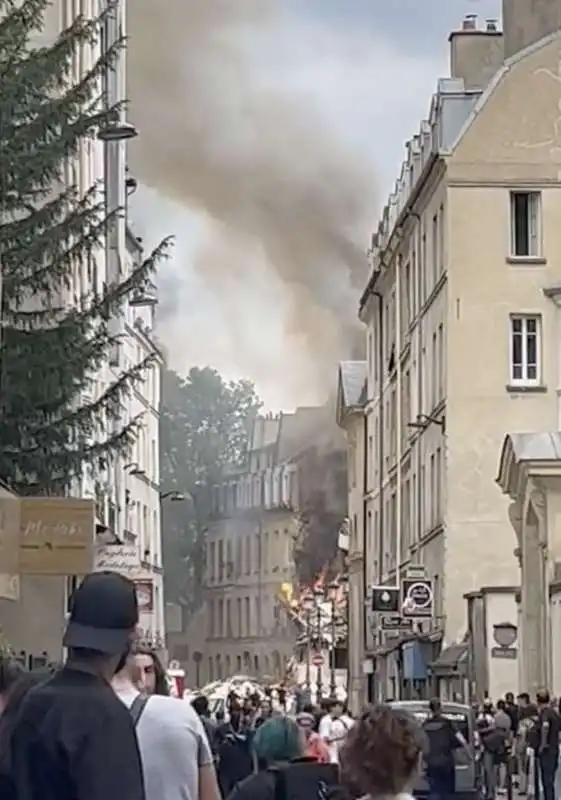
318 660
418 598
385 599
395 622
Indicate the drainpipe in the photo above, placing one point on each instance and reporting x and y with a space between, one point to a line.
365 549
398 426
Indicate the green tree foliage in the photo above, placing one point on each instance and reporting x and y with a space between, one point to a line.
55 335
205 425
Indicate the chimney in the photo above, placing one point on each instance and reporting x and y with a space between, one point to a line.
476 53
525 22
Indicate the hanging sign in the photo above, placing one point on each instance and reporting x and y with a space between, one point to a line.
385 599
418 598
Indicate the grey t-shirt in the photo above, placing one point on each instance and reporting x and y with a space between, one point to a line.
173 745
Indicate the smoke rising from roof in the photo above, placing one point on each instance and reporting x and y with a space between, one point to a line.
286 199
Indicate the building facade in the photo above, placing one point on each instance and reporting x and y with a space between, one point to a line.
351 397
462 327
33 609
249 557
293 459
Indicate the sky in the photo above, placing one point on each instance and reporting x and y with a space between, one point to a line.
356 73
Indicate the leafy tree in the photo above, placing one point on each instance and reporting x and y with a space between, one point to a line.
55 335
205 424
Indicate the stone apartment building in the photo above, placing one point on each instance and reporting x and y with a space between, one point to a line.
462 324
250 543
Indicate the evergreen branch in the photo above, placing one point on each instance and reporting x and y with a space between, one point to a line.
117 291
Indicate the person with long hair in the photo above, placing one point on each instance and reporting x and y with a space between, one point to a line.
13 700
153 679
382 753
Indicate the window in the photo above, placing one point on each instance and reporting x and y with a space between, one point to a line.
441 364
525 224
441 241
525 347
240 627
435 248
229 632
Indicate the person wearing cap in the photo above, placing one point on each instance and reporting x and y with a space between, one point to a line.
73 738
314 746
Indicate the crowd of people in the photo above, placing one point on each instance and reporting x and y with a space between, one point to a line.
102 726
517 741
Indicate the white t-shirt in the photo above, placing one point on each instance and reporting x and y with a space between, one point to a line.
334 732
173 746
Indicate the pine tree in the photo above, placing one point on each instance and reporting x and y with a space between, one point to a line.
51 348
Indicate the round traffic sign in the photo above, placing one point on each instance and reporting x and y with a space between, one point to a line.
318 660
419 595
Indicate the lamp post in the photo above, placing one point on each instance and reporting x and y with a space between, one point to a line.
318 596
117 133
333 597
308 633
173 496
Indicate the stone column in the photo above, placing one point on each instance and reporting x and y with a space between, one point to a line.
534 597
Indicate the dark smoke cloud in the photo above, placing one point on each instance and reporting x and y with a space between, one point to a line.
286 196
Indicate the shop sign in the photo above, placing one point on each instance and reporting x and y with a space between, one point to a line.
56 536
122 558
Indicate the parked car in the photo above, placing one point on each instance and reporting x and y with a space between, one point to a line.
463 719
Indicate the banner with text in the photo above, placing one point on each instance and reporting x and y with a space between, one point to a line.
56 536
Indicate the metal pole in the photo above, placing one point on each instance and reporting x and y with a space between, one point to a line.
333 682
320 650
308 619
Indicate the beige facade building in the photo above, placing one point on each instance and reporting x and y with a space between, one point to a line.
463 328
351 398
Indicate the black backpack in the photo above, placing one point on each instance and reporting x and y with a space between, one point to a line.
305 779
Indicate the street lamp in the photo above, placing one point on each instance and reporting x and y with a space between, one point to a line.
318 597
173 496
333 589
117 133
307 609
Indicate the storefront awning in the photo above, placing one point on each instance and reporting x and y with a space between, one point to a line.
452 660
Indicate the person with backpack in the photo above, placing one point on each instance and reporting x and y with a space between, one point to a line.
177 760
525 742
234 739
334 727
284 773
442 741
201 706
495 737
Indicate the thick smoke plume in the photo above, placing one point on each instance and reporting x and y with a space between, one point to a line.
283 193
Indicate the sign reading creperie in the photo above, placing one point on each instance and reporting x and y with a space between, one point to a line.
56 536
